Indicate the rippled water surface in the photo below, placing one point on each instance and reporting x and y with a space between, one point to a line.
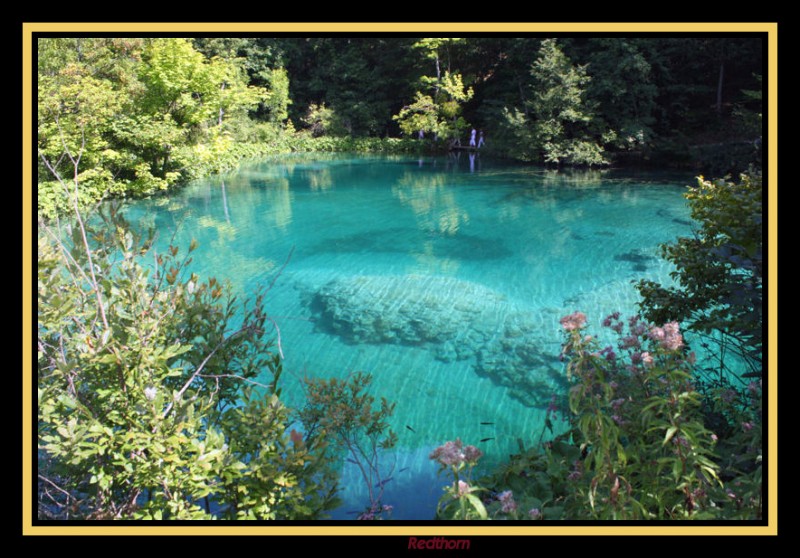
444 278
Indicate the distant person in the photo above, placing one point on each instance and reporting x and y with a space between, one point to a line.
472 138
421 134
481 143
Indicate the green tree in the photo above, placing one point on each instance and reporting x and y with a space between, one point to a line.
438 106
718 270
277 99
84 85
140 112
560 116
439 114
623 91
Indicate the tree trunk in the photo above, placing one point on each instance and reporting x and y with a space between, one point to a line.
221 112
719 87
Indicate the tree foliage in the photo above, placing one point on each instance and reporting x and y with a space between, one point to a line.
153 112
139 112
438 107
719 270
440 113
557 126
158 394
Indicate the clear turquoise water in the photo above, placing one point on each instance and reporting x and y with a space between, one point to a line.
444 278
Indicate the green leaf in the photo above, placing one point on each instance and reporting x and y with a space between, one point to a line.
670 433
478 505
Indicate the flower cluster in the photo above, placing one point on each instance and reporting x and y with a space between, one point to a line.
453 454
669 336
506 499
574 321
577 471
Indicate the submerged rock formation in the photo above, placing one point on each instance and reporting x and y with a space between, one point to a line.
453 318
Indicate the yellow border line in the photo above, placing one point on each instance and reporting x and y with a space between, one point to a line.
27 295
438 28
772 271
384 27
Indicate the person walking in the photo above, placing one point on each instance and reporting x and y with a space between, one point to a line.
480 140
472 138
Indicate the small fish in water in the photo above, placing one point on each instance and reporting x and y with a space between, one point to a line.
383 482
487 439
403 469
487 423
353 461
411 429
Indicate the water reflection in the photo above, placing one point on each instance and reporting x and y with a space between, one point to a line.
432 200
319 179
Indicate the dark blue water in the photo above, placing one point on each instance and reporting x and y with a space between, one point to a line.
444 278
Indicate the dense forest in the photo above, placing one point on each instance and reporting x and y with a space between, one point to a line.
150 113
159 391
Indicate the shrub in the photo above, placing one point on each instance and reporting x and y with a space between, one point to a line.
646 440
158 391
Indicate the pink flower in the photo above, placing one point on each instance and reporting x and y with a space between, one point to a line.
535 513
576 320
505 496
448 454
577 471
454 453
669 336
657 334
507 499
673 339
647 359
463 489
472 454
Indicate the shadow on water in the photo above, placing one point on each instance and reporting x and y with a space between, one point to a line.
637 258
664 214
408 241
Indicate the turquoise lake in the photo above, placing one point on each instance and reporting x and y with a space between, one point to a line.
444 278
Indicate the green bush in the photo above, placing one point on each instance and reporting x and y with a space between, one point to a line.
718 271
158 391
646 439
